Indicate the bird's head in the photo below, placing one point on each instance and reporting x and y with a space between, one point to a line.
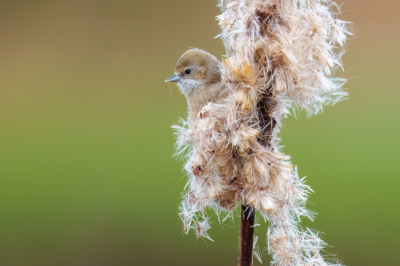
196 69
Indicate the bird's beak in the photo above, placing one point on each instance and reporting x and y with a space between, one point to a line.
174 78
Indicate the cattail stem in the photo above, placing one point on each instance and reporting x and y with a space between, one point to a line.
246 236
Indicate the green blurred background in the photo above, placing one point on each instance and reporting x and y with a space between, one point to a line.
86 174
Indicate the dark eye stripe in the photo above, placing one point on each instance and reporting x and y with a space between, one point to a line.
188 71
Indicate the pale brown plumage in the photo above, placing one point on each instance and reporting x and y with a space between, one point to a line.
199 79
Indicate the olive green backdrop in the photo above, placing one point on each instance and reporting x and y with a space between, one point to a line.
86 174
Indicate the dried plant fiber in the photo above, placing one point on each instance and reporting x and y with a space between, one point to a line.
280 58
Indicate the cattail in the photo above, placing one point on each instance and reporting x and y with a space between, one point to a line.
280 58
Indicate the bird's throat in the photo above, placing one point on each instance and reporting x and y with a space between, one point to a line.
188 86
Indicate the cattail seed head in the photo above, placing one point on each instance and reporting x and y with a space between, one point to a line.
280 57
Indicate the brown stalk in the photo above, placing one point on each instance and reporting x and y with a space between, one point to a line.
246 236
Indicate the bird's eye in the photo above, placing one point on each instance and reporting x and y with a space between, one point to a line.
188 71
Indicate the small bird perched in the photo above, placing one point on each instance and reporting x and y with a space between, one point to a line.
199 79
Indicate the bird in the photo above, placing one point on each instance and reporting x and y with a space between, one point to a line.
198 76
